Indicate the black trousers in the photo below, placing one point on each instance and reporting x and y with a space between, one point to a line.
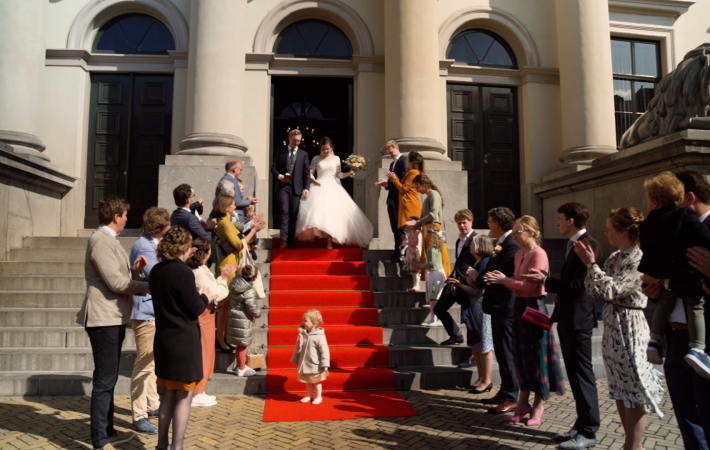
288 205
503 349
441 310
576 346
106 345
393 213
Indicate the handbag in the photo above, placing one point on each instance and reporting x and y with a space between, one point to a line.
255 360
537 318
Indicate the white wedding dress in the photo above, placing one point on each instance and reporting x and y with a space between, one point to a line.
330 210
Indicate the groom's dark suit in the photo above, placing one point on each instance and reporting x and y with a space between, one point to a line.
400 168
288 193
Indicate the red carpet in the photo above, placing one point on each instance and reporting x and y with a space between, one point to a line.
336 406
360 384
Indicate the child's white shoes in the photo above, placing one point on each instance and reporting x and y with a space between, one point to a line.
317 401
247 372
305 399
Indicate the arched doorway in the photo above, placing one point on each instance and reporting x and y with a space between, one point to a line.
130 119
318 106
483 125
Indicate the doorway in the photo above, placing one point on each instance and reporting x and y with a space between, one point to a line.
318 107
483 135
129 136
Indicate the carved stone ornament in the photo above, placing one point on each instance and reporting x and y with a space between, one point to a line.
681 101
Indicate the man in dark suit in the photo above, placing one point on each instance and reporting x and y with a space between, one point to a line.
689 392
233 169
498 301
183 196
576 318
400 168
292 171
464 260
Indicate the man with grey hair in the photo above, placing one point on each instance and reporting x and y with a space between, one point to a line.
233 169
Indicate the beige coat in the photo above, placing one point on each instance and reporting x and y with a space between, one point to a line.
312 354
204 278
110 283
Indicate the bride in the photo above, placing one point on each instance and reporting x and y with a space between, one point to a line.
329 212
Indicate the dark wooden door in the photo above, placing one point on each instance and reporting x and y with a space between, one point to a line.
129 136
483 135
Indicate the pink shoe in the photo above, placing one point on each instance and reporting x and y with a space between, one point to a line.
538 421
516 419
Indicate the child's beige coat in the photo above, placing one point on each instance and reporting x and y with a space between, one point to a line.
312 354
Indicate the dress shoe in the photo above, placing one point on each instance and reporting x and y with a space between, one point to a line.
579 442
292 246
283 244
481 391
121 438
533 422
516 419
491 401
503 408
565 436
453 340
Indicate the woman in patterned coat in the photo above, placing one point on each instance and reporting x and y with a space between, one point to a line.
633 382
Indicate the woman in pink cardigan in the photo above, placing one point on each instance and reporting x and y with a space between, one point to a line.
535 353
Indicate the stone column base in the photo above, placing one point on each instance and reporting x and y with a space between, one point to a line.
585 154
202 172
430 149
29 146
213 144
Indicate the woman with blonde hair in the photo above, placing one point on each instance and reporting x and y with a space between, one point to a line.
633 382
537 360
232 249
178 349
432 213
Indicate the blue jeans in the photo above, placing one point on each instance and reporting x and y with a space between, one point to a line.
106 347
690 393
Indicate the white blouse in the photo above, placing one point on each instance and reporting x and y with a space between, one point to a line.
205 278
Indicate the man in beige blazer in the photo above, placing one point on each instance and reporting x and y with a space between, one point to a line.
110 283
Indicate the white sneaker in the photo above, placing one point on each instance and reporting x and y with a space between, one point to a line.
305 399
203 400
247 372
211 397
317 401
436 323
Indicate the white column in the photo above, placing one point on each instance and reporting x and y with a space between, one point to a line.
586 85
22 57
412 94
215 79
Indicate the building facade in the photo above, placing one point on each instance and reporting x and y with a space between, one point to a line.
136 96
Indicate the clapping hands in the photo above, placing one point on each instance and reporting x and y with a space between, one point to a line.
140 264
494 277
536 276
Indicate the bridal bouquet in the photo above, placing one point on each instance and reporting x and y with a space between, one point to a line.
355 163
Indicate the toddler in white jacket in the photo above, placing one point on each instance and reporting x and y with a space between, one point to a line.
312 355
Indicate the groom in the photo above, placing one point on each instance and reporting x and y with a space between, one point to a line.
292 170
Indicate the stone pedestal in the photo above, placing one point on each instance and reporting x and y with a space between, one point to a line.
617 180
202 172
450 180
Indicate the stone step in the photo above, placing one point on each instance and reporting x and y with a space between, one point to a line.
68 242
76 337
41 299
9 268
400 299
64 255
128 232
54 283
412 315
15 384
391 284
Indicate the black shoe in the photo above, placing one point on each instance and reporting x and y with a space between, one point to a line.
229 349
481 391
453 340
252 252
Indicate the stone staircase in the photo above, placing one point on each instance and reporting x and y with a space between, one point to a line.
44 352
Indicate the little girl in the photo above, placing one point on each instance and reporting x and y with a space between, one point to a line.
312 355
435 275
411 254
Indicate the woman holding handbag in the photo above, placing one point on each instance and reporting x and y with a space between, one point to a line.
633 382
537 360
243 310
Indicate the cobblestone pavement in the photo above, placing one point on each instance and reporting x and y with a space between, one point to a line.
448 420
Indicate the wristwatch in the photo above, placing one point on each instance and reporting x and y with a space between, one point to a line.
589 266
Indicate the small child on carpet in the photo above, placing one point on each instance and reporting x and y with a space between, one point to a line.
312 355
666 234
435 275
411 254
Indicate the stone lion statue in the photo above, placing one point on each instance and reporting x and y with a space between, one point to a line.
681 101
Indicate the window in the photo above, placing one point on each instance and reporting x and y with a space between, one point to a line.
637 70
301 110
481 48
134 34
313 39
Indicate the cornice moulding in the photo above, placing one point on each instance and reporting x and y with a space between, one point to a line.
666 8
